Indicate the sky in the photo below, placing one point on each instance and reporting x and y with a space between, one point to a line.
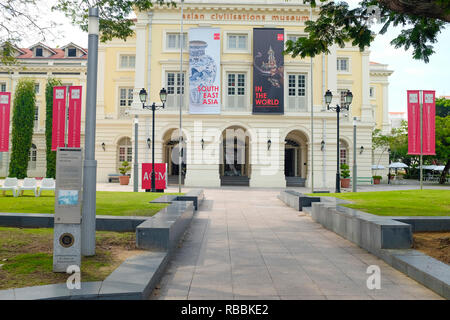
408 73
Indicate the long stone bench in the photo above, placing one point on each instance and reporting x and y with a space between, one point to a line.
163 231
41 220
366 230
197 196
297 200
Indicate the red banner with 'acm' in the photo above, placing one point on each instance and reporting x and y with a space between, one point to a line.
160 176
59 117
5 107
415 97
74 126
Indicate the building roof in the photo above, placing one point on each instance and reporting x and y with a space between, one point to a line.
57 53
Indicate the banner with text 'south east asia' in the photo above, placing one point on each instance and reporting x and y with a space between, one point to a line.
268 71
204 71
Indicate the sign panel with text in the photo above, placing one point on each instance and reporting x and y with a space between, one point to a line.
5 109
74 126
204 71
160 176
68 196
268 71
59 117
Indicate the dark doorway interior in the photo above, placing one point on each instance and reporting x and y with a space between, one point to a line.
289 162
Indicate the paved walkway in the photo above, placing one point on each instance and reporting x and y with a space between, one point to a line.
249 245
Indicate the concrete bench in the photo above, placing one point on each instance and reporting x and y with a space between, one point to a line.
297 200
197 197
163 231
368 231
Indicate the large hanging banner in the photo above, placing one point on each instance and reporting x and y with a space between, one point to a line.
415 98
428 123
413 122
268 71
5 109
74 126
204 71
59 117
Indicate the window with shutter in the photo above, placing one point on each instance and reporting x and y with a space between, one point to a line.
296 92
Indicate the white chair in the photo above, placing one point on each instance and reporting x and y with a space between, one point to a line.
29 184
47 184
10 184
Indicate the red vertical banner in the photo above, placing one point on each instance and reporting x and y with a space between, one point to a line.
5 109
74 126
413 122
59 117
428 123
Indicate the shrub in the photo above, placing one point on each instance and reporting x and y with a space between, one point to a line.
124 168
345 172
22 128
50 155
376 177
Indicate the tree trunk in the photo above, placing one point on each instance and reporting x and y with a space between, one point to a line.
443 177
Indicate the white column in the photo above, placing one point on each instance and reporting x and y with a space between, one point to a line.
267 165
385 124
141 42
101 84
366 108
332 74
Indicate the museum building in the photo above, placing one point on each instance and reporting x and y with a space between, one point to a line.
234 79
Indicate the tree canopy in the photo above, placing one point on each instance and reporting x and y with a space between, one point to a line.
421 22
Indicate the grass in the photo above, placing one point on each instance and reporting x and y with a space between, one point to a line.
108 203
27 260
399 203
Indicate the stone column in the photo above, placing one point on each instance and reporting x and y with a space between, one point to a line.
366 108
141 44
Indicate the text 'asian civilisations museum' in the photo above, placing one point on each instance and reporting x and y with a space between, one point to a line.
246 107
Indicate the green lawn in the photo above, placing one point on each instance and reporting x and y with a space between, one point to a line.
26 256
108 203
399 203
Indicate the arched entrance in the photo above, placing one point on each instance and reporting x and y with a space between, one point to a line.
295 158
171 156
235 168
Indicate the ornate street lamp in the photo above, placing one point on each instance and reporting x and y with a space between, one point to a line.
348 100
153 107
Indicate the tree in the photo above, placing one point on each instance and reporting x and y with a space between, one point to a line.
421 20
20 19
22 127
443 145
442 107
50 155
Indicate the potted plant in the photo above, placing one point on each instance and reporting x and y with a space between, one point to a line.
376 179
124 179
345 175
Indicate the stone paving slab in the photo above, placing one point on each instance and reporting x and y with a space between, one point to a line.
254 247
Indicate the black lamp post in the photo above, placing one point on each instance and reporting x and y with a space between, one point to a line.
143 98
338 108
